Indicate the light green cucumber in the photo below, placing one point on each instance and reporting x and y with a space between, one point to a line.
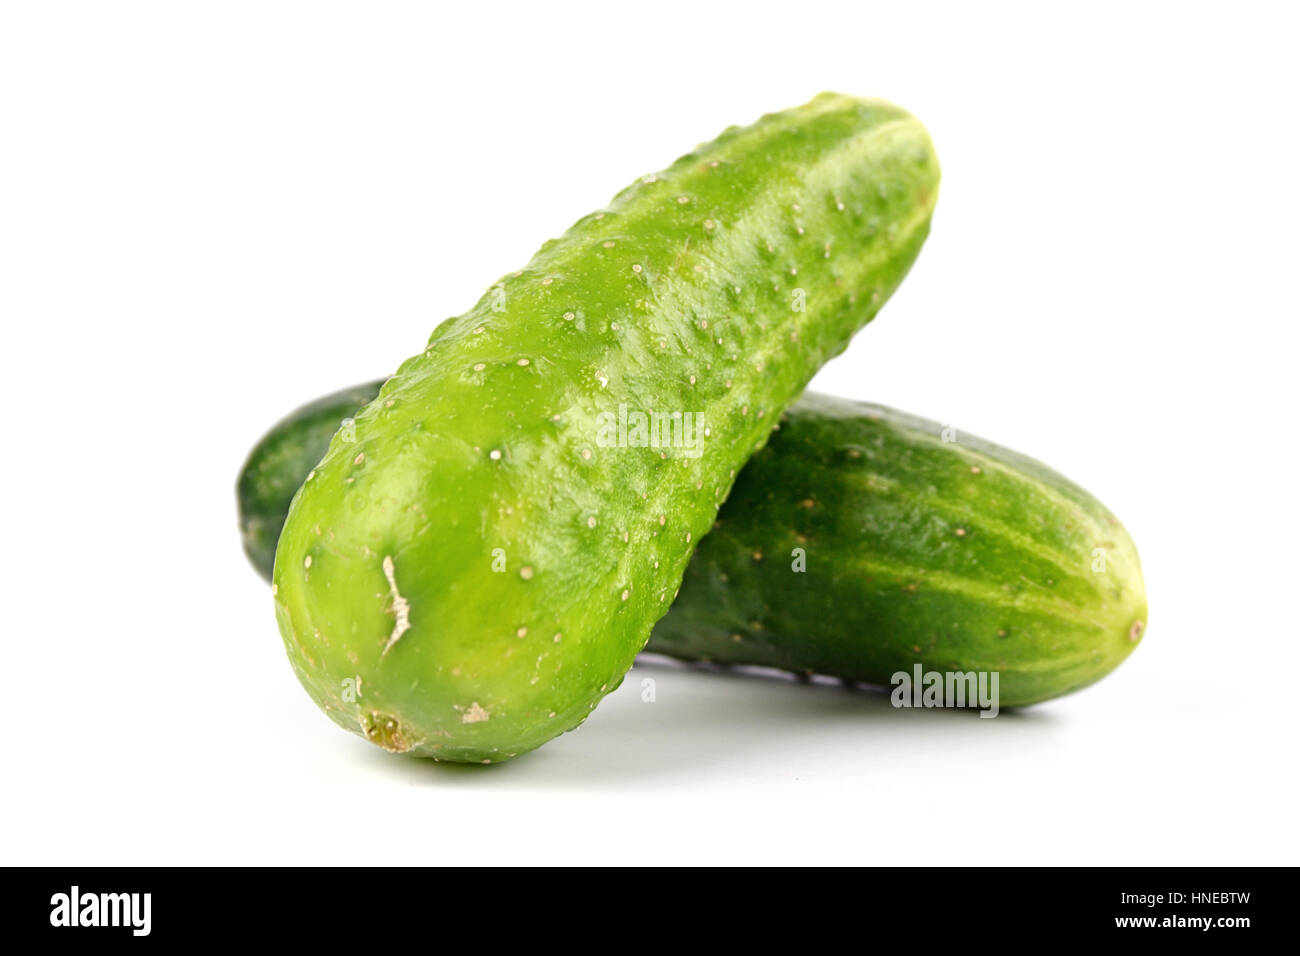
858 544
481 564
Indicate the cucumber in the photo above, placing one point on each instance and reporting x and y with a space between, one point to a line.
489 555
859 543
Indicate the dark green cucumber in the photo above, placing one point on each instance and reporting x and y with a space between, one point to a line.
858 544
484 560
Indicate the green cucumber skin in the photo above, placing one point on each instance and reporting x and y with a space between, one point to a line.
278 463
956 555
874 497
677 297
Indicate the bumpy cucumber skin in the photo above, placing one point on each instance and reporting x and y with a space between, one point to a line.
956 555
278 463
486 446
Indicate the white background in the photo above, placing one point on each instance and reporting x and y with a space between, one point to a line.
210 213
